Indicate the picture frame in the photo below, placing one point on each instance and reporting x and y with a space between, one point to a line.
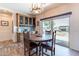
4 23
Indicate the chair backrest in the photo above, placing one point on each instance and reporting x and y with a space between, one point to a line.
26 39
51 42
54 39
18 37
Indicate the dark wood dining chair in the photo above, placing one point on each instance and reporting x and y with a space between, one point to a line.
49 45
29 46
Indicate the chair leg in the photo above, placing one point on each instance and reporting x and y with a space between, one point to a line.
54 51
42 51
45 50
29 53
24 53
51 53
37 51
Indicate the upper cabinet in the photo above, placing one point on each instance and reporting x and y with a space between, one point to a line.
21 19
30 21
25 23
34 21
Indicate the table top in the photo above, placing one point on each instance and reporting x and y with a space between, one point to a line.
38 38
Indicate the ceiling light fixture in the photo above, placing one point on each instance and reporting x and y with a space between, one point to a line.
36 8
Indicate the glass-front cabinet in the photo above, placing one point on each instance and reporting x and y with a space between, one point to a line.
24 23
32 24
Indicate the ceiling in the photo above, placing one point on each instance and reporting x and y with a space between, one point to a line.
22 7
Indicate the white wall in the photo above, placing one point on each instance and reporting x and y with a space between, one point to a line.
6 31
74 27
74 21
14 36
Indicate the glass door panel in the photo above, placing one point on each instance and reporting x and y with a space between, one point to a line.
61 26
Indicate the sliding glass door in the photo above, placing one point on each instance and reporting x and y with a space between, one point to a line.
60 24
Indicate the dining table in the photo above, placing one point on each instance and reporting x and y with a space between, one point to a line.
39 39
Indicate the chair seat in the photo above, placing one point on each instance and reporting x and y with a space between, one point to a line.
33 45
47 46
28 45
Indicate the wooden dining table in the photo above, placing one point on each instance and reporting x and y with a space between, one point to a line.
39 39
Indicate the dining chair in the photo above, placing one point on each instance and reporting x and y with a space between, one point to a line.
29 46
49 45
